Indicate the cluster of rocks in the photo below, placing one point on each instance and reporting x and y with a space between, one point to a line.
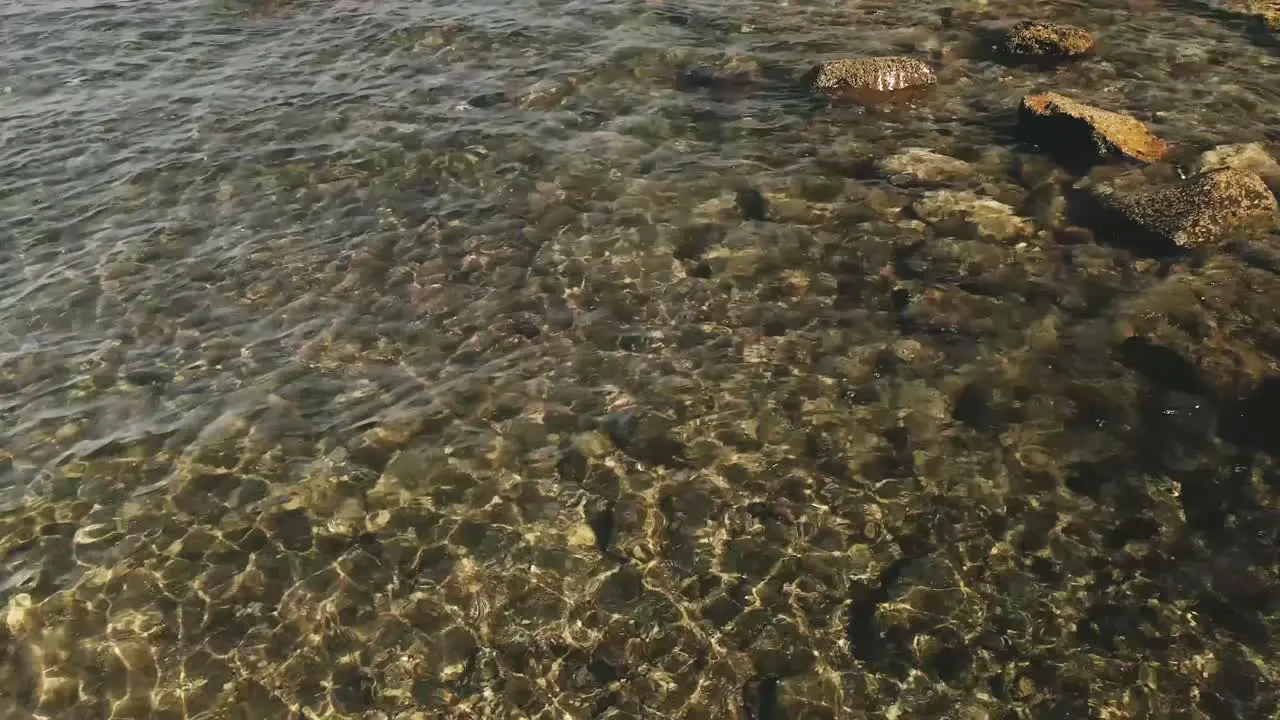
1027 40
1124 185
1231 187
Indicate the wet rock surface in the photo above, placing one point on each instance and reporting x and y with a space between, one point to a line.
872 76
1201 210
1075 132
1036 40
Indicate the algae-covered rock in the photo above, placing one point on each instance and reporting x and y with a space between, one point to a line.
1201 210
873 74
1078 132
1045 40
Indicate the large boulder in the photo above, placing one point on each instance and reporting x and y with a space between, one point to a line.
1076 132
1201 210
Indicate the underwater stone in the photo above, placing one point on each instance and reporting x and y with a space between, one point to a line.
1200 210
1266 11
1253 420
983 217
922 165
646 437
1076 131
1250 157
1034 39
874 74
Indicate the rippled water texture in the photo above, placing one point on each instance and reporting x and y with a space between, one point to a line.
563 359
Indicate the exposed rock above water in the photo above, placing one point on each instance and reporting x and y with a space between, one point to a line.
1200 210
1032 39
872 75
1077 132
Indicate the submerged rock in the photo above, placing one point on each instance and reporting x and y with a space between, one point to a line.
1267 11
873 74
1242 306
734 74
922 165
965 213
1201 210
1075 131
1043 40
1250 157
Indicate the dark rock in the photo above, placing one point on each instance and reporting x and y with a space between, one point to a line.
1161 365
1076 132
487 100
573 465
692 241
760 697
752 204
735 77
1223 320
1254 422
646 437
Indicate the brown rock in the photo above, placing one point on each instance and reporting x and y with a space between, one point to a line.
1078 132
1200 210
1034 39
874 74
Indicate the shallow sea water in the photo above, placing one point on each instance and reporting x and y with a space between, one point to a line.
432 359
